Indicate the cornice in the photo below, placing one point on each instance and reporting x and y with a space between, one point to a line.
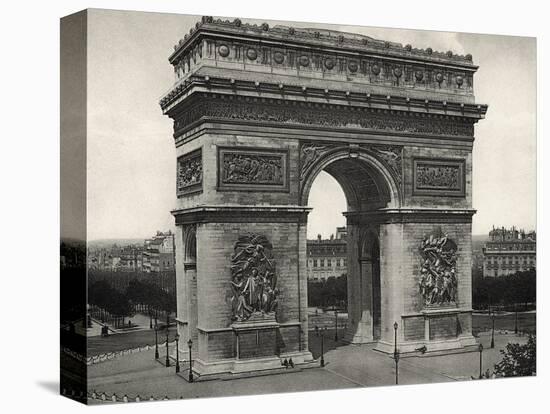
317 38
377 114
270 90
411 215
241 214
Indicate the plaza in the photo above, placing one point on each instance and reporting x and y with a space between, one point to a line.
347 366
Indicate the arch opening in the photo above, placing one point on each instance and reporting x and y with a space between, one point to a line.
366 186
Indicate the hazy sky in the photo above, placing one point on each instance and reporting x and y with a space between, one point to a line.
131 153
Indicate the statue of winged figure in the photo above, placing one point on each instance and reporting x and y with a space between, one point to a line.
310 153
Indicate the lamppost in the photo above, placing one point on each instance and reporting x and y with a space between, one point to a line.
190 344
335 325
156 342
150 320
319 332
177 353
516 325
167 353
396 353
493 331
480 360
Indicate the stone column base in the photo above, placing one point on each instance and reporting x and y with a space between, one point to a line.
453 344
361 335
229 368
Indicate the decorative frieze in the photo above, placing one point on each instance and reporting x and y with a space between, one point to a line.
438 283
438 177
252 168
189 173
334 116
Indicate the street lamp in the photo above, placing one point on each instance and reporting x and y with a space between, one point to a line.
156 342
167 353
493 331
516 325
480 360
320 332
335 325
190 344
177 353
396 353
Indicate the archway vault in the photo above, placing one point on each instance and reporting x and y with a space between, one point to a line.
367 182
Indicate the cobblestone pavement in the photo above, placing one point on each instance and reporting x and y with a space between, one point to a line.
346 367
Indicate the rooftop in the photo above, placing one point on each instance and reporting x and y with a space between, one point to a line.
316 37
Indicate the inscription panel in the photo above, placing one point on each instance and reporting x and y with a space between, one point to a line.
439 177
443 327
243 169
189 173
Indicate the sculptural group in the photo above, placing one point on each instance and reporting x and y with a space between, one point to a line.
438 282
253 278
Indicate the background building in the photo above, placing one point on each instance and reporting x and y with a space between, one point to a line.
158 255
509 251
326 258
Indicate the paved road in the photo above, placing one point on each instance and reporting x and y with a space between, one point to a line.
347 366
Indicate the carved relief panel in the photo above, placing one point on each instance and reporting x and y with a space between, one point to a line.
189 173
252 169
439 177
253 279
438 281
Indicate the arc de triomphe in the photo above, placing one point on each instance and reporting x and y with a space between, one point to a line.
258 112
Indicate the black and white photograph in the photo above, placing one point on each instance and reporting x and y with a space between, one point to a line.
253 206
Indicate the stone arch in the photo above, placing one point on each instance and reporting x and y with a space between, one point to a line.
190 245
367 183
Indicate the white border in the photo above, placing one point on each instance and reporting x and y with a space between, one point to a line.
30 194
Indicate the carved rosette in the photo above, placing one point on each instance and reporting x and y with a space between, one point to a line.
189 173
254 292
438 282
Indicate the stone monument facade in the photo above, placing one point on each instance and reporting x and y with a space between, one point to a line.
258 112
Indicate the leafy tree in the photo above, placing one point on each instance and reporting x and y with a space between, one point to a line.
332 291
519 360
505 290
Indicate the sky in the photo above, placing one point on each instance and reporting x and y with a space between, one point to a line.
131 155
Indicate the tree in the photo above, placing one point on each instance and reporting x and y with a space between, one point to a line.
519 360
504 290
